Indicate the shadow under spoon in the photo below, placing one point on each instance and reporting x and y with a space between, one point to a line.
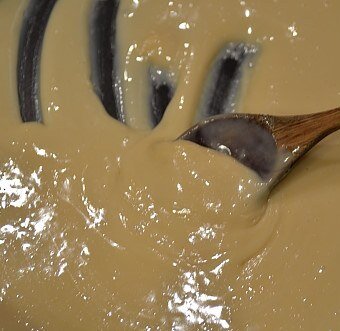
269 145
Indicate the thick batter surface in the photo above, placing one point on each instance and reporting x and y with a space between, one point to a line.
111 226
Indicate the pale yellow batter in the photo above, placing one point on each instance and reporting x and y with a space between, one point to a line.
105 226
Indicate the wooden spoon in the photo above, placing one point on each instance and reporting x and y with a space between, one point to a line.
270 145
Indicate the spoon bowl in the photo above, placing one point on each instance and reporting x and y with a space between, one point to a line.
269 145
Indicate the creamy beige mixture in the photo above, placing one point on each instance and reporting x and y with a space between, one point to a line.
106 227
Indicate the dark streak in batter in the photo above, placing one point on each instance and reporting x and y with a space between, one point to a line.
31 38
103 48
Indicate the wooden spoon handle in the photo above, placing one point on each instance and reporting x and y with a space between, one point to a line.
303 132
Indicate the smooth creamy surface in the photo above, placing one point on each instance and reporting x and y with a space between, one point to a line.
105 226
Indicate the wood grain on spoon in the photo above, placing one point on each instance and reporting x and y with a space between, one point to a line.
270 145
303 131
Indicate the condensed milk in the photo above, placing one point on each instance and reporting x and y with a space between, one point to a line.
112 226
